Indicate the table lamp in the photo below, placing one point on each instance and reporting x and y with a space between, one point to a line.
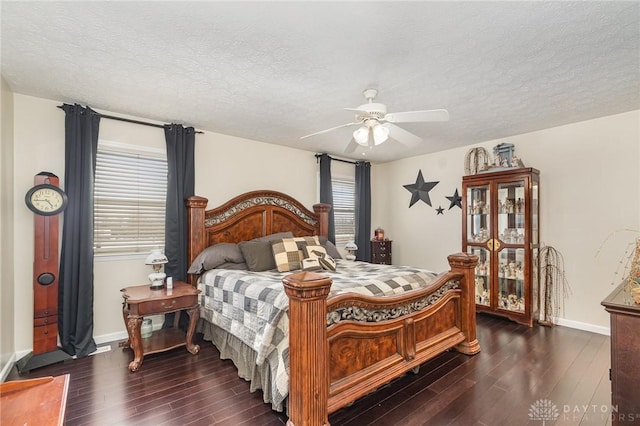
351 249
156 259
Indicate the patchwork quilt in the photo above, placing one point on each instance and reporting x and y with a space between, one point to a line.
254 307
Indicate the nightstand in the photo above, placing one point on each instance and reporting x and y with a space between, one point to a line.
381 252
141 301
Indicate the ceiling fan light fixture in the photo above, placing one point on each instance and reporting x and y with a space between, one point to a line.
361 135
380 134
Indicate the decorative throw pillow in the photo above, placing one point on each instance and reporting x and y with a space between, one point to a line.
318 252
214 256
311 265
287 253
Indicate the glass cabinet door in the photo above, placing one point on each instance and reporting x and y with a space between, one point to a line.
483 276
478 214
534 214
511 290
511 212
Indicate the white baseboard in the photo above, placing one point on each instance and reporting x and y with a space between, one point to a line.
583 326
119 335
7 368
100 340
111 337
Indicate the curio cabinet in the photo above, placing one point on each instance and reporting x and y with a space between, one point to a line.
500 224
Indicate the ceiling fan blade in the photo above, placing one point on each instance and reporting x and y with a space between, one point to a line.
402 136
351 146
416 116
332 128
361 111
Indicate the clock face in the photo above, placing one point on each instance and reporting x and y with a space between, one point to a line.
46 199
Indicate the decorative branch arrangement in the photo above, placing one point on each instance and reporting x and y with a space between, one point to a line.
629 263
634 273
555 287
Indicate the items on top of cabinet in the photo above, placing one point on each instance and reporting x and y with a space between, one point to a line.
477 159
629 264
378 234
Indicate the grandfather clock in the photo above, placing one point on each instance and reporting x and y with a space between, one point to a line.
46 200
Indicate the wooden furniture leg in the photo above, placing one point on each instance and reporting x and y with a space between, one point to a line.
194 314
135 340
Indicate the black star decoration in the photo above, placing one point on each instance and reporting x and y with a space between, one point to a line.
440 210
455 200
420 190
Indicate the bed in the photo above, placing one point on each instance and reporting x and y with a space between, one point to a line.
339 344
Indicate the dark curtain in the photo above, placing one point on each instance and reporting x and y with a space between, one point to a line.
75 291
180 186
326 192
363 210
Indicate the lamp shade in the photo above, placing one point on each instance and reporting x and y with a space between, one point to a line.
361 135
156 257
380 134
350 246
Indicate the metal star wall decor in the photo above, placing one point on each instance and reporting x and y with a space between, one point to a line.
455 199
440 210
420 190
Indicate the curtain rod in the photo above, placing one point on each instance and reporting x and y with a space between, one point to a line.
337 159
128 120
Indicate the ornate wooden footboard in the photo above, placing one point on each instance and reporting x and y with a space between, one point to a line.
345 346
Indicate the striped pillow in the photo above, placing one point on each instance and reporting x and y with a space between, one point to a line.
288 254
318 252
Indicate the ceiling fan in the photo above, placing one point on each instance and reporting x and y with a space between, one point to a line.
376 125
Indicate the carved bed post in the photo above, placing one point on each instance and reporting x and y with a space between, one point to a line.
308 348
197 243
465 264
322 210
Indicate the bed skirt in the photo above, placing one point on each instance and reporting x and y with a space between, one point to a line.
244 358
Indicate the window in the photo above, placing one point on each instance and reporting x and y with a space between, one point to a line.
344 205
129 199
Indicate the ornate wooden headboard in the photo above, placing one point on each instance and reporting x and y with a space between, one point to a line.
251 215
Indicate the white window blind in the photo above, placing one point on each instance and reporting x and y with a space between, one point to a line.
344 210
129 200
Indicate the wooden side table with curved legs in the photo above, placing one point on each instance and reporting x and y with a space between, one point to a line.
141 301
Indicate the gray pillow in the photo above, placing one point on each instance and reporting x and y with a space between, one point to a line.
331 249
272 237
235 266
257 255
214 256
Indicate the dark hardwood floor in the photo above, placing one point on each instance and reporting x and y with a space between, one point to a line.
518 369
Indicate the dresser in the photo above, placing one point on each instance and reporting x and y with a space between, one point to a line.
381 252
625 346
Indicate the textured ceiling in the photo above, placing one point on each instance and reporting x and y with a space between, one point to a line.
275 71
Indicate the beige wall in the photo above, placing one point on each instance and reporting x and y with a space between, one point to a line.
225 167
587 192
590 187
7 308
